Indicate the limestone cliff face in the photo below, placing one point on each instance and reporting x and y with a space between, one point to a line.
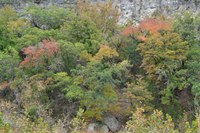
138 9
130 9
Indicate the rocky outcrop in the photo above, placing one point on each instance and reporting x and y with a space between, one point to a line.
91 128
112 123
20 4
97 128
138 9
130 9
109 124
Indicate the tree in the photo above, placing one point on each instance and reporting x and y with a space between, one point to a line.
187 26
52 17
133 35
9 60
7 15
127 31
29 35
156 122
68 85
35 56
99 80
104 15
83 31
152 26
163 55
126 46
105 52
70 53
147 27
138 94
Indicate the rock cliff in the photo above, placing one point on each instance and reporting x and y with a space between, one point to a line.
130 9
138 9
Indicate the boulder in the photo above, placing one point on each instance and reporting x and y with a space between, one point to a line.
91 128
97 128
103 129
112 123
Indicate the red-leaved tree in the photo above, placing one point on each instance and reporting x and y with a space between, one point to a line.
39 55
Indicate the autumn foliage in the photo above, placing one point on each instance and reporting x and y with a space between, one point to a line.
36 55
153 25
76 69
150 26
129 30
105 51
104 15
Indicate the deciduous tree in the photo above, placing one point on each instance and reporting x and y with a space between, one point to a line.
104 15
40 55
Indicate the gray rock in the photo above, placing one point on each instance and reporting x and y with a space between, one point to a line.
134 10
97 128
103 129
91 128
112 123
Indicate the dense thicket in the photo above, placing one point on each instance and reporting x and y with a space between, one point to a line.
61 69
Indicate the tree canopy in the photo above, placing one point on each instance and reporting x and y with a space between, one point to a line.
73 67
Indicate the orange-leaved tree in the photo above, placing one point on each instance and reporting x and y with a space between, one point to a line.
163 57
147 27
